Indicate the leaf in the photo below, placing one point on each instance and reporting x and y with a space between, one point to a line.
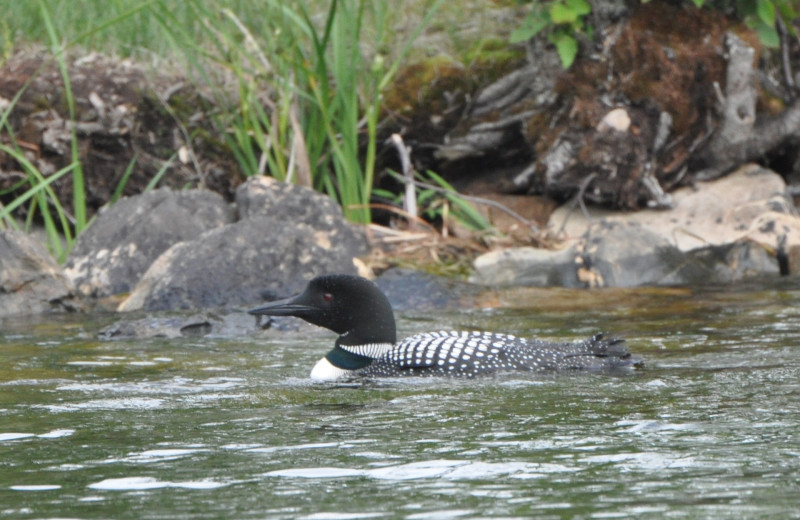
698 3
566 46
766 11
562 14
787 11
531 26
767 35
581 7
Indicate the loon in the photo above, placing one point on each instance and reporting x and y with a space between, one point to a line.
357 310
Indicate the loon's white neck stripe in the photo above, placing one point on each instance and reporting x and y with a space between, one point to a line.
370 350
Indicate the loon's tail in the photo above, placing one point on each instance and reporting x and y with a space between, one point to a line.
605 353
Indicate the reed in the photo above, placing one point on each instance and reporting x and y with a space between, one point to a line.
299 84
308 91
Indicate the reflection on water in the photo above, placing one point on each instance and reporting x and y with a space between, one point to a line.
216 428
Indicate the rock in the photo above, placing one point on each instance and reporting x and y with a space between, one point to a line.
265 196
114 252
527 266
711 213
625 254
31 281
205 324
726 263
722 231
779 233
158 327
408 289
268 255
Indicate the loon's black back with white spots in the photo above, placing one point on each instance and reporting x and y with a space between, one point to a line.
469 354
360 313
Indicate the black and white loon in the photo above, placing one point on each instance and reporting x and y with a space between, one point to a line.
367 346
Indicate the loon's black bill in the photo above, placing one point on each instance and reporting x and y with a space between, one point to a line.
287 307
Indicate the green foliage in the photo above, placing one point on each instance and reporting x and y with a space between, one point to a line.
308 96
461 209
437 199
563 20
78 188
306 86
763 17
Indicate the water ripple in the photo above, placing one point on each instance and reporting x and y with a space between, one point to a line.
441 468
146 483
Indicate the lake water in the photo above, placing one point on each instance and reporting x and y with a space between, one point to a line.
232 427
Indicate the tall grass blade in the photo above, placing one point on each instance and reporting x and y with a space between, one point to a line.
78 187
123 181
160 173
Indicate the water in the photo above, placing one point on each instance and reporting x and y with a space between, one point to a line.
232 428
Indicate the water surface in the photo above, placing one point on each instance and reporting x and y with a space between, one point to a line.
232 427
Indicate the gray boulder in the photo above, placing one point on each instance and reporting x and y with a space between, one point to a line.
409 289
126 238
261 196
527 266
627 254
624 254
617 254
268 255
721 231
196 325
31 281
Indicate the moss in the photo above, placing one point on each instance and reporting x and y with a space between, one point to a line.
425 86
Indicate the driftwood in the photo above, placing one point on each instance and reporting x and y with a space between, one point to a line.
742 136
652 105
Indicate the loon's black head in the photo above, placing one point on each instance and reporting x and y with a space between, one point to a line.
350 306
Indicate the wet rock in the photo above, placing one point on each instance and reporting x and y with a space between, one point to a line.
627 254
709 213
726 263
719 232
204 324
114 252
31 281
408 289
527 266
616 254
780 233
158 327
267 256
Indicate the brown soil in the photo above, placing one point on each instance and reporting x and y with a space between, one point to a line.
124 116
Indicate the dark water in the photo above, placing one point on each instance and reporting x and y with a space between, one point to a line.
231 428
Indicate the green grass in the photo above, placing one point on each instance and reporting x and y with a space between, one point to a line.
304 103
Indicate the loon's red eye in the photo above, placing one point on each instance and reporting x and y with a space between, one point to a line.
328 297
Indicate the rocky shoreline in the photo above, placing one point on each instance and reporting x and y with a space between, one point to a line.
170 250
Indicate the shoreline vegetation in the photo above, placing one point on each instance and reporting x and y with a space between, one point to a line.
293 90
309 91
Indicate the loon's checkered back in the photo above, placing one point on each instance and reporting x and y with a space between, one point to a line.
360 313
469 354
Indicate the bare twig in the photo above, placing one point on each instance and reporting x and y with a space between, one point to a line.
250 43
187 139
396 210
299 149
786 65
578 200
410 199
